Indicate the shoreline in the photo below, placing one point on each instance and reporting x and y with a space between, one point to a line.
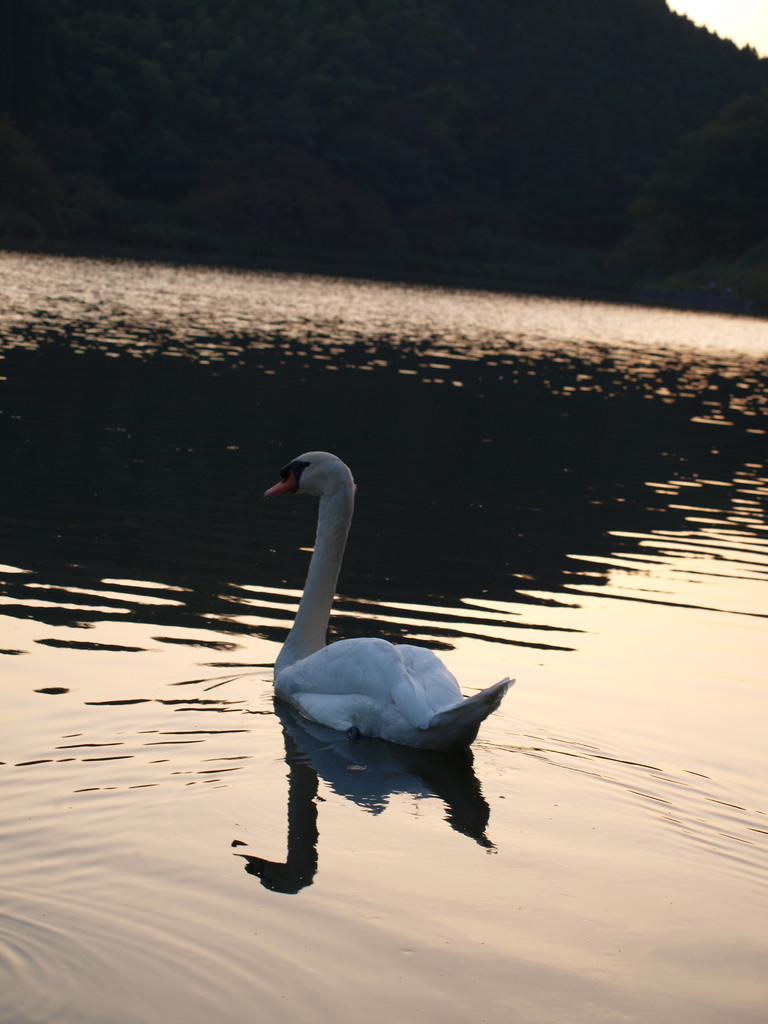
557 278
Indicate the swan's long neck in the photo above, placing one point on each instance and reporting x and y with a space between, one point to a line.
309 629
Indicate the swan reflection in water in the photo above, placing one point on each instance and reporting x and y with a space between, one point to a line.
366 771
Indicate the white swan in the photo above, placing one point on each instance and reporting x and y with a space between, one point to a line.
366 686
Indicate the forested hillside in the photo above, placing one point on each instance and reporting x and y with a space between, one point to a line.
382 130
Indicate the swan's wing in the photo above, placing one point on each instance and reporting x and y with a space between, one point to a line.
431 680
412 679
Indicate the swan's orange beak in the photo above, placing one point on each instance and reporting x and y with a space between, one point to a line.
287 486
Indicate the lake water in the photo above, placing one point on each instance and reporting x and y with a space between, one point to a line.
571 493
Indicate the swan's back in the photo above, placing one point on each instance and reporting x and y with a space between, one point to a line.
398 692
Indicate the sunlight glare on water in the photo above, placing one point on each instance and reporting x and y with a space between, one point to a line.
569 492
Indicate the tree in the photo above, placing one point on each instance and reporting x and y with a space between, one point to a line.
29 191
707 200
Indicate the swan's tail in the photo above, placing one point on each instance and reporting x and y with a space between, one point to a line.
457 726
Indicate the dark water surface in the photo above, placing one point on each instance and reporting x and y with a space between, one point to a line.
568 492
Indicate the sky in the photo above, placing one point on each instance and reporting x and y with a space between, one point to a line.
743 21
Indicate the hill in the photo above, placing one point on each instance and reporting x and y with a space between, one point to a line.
403 132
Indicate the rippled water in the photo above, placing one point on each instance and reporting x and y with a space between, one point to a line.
572 493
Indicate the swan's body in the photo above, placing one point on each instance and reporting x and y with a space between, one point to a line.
397 692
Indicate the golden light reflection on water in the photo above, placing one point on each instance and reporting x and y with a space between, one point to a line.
136 304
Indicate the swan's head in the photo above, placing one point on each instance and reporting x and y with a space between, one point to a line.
316 473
